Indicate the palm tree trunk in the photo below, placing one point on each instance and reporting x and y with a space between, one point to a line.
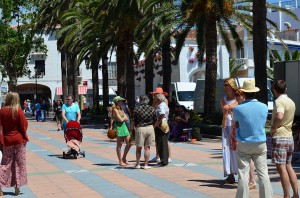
121 69
130 78
211 66
105 81
70 74
75 69
260 48
95 80
64 75
149 73
166 62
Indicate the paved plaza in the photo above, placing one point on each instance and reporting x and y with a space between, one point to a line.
196 170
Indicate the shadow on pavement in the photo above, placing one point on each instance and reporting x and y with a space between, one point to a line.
217 183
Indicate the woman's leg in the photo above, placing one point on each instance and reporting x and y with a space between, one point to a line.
127 147
118 150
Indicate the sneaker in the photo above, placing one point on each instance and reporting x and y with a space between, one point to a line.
169 160
137 167
146 167
158 160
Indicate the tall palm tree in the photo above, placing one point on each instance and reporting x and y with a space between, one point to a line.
130 13
260 48
50 12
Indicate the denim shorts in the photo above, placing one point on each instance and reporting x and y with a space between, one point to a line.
283 148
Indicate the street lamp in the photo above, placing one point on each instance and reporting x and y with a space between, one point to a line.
37 75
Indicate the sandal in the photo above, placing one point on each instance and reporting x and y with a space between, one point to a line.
252 186
229 180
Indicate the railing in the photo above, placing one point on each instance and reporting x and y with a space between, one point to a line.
289 4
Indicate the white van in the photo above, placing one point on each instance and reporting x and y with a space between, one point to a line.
200 91
183 93
89 96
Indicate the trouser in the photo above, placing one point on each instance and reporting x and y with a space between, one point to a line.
43 115
161 140
258 153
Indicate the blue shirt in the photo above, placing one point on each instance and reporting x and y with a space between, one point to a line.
251 116
71 111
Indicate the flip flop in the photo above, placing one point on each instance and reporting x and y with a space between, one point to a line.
252 186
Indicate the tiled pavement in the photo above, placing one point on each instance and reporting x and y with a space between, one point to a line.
196 170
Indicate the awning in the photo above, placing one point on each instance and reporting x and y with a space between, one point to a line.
81 90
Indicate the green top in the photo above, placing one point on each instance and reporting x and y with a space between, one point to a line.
121 127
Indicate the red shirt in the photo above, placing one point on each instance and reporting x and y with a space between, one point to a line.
13 130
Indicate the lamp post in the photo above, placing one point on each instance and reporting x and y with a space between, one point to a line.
37 74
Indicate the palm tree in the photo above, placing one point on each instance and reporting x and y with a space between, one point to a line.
49 13
260 48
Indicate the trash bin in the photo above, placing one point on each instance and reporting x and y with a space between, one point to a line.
196 134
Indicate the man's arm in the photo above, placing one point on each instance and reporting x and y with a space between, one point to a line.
276 122
63 114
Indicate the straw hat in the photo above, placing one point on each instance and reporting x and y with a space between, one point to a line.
249 86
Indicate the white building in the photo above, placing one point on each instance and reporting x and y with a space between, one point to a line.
49 85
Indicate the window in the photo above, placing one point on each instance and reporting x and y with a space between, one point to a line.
240 53
40 67
112 70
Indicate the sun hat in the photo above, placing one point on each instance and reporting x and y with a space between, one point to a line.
249 86
231 82
159 90
117 99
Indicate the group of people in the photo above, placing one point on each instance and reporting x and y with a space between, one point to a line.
244 138
148 125
13 139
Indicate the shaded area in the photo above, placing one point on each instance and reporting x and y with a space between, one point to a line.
215 183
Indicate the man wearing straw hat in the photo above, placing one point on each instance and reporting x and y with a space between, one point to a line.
251 116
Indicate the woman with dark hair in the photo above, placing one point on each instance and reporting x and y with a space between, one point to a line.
180 122
14 138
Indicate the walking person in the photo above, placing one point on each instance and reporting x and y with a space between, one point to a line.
38 111
58 114
282 138
143 117
228 102
119 124
251 116
70 111
43 110
13 124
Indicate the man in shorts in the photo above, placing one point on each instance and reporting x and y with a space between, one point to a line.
143 116
283 143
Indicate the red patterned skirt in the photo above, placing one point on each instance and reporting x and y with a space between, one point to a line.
13 171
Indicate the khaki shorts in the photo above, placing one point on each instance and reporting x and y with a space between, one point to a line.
145 136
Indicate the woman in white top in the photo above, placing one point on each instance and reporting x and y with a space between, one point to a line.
228 102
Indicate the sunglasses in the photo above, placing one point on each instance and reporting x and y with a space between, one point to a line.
69 99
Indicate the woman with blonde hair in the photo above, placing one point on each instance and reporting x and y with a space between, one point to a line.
228 102
119 124
13 139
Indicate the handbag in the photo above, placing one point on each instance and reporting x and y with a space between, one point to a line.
164 127
112 134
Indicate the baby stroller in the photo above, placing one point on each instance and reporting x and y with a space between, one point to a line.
73 137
